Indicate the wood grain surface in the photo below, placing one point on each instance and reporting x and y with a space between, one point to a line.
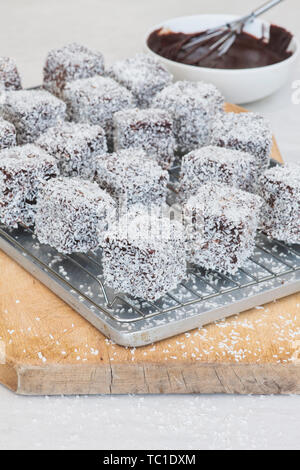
47 348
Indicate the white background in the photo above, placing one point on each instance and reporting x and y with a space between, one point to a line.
28 29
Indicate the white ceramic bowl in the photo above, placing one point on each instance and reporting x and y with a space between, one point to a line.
238 86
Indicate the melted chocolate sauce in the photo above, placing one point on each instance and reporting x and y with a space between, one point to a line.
247 51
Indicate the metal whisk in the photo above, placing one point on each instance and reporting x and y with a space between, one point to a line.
225 34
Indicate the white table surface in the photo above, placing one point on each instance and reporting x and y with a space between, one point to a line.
28 29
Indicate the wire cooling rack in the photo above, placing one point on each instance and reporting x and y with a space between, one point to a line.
272 272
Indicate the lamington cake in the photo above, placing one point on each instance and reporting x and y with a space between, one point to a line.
248 132
214 164
73 215
32 112
221 223
76 147
9 75
149 129
23 171
143 75
69 63
193 107
7 134
95 100
280 190
144 256
131 177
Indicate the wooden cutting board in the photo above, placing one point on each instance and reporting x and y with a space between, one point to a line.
46 348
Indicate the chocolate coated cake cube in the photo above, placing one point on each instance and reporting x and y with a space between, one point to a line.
193 106
32 112
70 63
220 165
23 171
131 177
221 223
143 75
95 100
280 190
247 132
76 147
73 215
144 256
9 75
149 129
7 134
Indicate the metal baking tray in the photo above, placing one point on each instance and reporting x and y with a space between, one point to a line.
271 273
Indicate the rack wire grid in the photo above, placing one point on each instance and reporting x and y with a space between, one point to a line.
272 272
